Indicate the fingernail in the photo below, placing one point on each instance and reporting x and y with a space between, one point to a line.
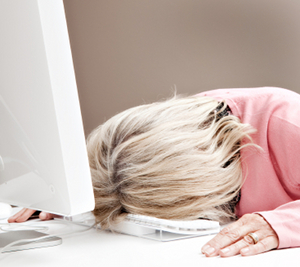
205 248
210 250
225 250
245 250
43 216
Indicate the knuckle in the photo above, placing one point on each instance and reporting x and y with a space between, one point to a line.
237 246
231 234
264 244
248 219
224 231
234 235
255 220
248 240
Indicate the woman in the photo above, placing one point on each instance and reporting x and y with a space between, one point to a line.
200 156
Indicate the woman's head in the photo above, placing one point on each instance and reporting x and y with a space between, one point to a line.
175 159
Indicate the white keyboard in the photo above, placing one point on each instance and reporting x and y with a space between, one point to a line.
173 226
144 226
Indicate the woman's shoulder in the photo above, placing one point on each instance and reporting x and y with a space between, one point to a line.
253 92
248 102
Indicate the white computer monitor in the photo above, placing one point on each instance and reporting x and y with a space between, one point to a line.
43 158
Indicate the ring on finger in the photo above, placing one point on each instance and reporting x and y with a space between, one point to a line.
254 237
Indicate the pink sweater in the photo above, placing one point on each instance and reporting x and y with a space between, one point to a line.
272 185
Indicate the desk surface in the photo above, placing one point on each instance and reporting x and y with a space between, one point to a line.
100 248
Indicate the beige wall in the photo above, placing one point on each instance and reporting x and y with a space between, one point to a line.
129 52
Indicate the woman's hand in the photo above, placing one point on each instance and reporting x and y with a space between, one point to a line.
24 214
234 239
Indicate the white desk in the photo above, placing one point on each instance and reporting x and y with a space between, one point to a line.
97 248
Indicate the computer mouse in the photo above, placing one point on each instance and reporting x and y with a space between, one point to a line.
5 211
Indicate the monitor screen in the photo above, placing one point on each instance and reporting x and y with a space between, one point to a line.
43 158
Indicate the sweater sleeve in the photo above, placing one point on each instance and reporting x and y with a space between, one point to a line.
285 221
283 149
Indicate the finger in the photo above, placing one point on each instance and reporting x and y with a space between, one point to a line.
46 216
266 244
21 216
13 218
233 233
247 241
25 215
236 247
229 235
224 239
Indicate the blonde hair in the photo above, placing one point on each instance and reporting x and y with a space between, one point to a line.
176 159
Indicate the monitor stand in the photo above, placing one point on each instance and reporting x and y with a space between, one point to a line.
12 236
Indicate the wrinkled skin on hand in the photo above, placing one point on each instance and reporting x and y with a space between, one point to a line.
234 239
24 214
